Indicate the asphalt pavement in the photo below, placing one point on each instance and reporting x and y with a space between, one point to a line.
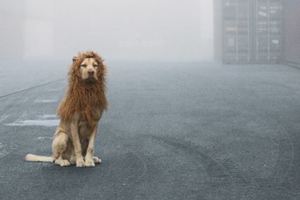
172 131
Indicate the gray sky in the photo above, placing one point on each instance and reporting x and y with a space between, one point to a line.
170 30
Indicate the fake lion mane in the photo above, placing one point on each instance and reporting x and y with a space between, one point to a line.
81 97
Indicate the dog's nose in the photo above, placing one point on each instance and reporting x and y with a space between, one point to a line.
91 73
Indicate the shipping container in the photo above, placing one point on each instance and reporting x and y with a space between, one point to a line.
292 32
268 41
252 31
236 31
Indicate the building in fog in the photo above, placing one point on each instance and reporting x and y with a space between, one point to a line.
252 31
218 30
292 32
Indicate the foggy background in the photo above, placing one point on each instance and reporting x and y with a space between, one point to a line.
42 36
228 31
147 30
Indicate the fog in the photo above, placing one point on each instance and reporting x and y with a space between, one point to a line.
142 30
229 31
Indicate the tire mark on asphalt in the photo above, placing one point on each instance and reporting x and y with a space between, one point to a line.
284 145
9 108
213 168
228 169
223 174
30 88
3 151
3 117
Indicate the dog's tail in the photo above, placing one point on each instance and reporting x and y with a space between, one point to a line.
37 158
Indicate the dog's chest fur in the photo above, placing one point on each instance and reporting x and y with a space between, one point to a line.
85 129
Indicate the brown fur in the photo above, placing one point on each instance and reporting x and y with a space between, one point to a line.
79 112
82 98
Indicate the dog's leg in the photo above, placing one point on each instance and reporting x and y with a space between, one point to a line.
62 162
59 146
76 144
89 160
73 159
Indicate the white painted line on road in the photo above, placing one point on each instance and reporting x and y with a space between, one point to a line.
47 120
54 90
45 101
48 116
46 123
44 138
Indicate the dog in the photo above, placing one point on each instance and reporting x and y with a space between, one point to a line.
79 113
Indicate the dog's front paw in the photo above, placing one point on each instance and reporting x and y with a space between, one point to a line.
79 162
62 163
97 160
89 163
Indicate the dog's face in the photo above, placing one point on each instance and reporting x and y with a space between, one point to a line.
89 69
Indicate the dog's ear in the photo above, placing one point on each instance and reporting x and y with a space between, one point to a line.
100 61
74 59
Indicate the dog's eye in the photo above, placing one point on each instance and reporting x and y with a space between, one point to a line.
95 65
83 65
